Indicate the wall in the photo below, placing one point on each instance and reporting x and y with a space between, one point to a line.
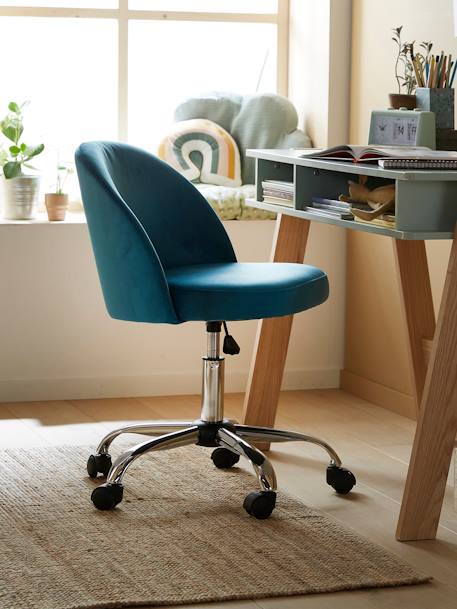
376 360
319 67
58 342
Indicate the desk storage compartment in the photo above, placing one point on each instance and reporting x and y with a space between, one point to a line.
426 206
310 182
420 206
272 170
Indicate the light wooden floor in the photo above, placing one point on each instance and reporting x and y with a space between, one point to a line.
373 442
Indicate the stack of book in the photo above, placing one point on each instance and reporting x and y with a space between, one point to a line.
332 208
342 210
278 192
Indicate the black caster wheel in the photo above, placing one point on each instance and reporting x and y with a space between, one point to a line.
341 479
260 504
98 464
223 458
107 496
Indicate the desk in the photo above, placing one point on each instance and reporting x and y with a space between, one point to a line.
426 208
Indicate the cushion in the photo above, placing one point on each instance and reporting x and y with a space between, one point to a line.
245 290
230 203
255 121
202 151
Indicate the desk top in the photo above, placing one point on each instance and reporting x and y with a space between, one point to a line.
292 156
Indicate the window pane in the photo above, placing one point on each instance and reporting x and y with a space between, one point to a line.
72 87
210 6
209 58
62 3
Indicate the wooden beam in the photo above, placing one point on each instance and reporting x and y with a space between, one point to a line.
417 306
437 424
272 341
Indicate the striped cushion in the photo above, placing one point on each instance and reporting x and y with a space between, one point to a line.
203 152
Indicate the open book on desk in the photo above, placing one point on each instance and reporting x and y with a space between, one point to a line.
370 154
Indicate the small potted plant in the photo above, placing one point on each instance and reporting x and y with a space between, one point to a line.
57 202
20 190
404 74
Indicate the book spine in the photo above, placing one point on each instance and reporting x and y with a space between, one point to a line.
341 204
418 164
280 195
322 201
278 201
338 215
331 207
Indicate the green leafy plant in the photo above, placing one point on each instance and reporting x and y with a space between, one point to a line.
63 171
19 153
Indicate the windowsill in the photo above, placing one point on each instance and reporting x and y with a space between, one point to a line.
73 217
76 217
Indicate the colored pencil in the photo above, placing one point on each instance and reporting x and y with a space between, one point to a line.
443 73
448 73
453 74
431 72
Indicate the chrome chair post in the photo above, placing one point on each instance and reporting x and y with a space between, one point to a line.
212 408
262 466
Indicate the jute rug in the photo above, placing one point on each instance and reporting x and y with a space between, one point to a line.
180 536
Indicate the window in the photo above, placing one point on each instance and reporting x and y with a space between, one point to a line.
116 69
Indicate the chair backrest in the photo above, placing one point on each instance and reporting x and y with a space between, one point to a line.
265 120
143 219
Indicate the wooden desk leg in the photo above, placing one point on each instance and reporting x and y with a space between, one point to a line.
412 268
437 424
272 341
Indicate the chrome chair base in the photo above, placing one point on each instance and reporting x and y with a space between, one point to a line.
230 440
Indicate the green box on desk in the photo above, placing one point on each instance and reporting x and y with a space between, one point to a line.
439 101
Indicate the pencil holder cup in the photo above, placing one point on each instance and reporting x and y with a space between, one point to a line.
439 101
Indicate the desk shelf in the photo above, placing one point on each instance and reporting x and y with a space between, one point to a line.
349 224
426 201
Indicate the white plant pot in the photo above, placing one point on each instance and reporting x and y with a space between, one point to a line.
20 197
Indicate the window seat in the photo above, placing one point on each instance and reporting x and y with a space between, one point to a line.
230 203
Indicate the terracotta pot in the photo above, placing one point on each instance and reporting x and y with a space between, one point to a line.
56 206
401 100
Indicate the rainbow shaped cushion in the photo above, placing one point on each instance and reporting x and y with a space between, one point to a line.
203 152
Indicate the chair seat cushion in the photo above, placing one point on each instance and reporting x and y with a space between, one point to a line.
245 290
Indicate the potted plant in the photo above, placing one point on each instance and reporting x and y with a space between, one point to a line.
404 74
20 190
57 202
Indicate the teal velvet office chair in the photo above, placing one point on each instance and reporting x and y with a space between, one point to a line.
163 256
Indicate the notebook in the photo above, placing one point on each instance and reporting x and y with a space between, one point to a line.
449 164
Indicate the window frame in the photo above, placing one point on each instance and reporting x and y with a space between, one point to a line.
123 15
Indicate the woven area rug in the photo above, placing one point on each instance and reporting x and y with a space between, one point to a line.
180 536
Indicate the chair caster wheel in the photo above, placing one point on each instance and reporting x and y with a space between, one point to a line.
341 479
223 458
260 504
98 464
107 496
